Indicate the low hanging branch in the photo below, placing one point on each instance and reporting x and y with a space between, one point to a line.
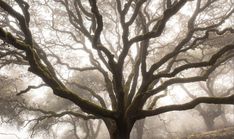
186 106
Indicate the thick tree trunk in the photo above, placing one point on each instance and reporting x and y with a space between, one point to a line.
119 134
119 130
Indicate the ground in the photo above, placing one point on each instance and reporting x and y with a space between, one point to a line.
226 133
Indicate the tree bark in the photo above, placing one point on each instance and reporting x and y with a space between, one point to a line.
118 130
119 134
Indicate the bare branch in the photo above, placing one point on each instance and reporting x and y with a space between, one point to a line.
186 106
160 25
212 61
20 18
29 88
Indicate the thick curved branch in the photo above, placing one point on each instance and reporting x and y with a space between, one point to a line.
186 106
96 38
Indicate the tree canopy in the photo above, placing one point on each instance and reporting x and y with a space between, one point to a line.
114 59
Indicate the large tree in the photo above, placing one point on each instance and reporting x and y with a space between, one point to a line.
138 47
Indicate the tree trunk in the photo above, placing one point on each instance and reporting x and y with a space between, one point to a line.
140 128
119 134
208 120
119 130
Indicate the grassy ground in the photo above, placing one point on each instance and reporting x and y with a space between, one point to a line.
226 133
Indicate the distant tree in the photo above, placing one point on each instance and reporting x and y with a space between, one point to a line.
118 38
15 111
210 112
214 87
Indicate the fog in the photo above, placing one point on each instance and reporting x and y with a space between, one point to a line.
116 69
